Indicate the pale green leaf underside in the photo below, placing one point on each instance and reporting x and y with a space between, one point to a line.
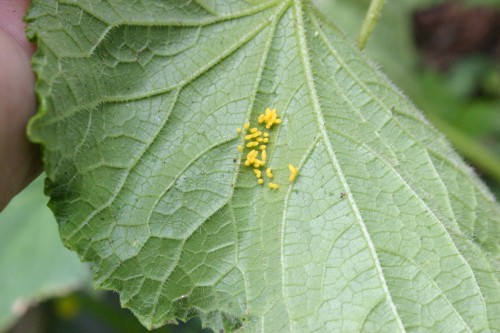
139 105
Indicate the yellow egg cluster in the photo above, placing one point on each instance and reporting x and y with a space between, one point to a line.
270 118
257 138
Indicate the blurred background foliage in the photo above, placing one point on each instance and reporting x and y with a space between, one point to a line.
444 55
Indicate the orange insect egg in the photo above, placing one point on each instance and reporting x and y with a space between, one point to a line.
273 186
269 173
293 172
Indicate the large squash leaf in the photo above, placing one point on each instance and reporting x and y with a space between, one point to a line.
385 228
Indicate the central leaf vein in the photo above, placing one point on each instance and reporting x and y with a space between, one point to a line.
304 55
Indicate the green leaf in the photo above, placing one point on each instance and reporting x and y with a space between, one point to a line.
33 263
385 228
434 93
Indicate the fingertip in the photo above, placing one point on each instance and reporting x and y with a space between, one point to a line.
19 157
11 21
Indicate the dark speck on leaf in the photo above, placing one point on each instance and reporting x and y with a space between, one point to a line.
342 195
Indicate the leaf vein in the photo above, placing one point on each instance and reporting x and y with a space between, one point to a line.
301 39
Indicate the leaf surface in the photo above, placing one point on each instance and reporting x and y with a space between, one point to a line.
385 228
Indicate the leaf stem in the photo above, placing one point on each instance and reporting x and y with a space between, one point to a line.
369 22
476 153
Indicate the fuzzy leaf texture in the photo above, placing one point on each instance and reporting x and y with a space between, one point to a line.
385 228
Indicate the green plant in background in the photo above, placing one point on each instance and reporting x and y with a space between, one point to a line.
384 229
33 262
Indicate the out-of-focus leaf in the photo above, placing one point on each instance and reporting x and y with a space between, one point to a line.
34 265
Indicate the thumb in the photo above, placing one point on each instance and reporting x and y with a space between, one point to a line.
19 159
